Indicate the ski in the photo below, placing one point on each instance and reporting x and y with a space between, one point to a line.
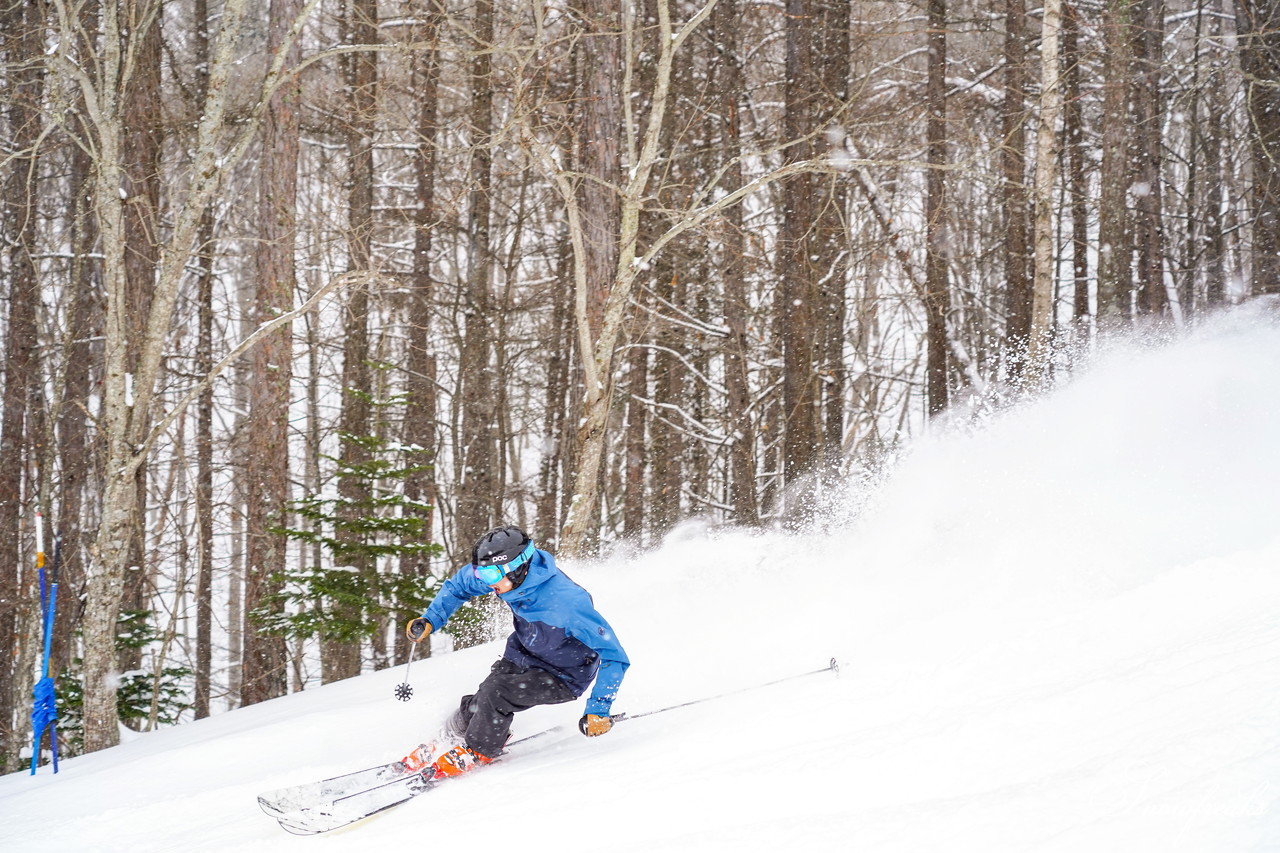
346 809
284 800
328 804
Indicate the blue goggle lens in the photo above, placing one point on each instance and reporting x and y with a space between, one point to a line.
492 574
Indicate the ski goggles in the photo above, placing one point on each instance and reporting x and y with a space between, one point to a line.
492 574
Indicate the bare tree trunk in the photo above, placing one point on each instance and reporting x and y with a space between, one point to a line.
84 326
420 382
479 489
1148 156
310 558
204 475
556 425
937 297
1185 278
667 441
119 503
599 136
1073 130
698 479
1013 158
833 245
235 604
742 465
1213 260
637 453
378 620
143 141
267 463
1115 236
1045 285
1258 23
24 81
600 130
797 305
341 659
204 411
126 405
597 355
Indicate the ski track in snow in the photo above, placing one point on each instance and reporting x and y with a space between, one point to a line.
1059 630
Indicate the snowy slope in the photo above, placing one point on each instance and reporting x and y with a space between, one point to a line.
1059 631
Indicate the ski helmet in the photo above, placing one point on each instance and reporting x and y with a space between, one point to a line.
508 549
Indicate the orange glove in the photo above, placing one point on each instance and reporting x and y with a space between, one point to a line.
417 628
593 725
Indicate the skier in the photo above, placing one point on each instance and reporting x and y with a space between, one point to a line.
559 645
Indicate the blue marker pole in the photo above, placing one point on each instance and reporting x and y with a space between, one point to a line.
44 712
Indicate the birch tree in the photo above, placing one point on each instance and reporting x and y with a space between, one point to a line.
1046 172
103 80
597 350
708 201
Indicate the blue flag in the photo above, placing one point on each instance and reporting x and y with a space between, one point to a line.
44 713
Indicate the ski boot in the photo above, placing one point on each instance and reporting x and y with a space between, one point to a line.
420 759
459 760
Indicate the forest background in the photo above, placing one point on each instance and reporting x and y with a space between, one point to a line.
300 296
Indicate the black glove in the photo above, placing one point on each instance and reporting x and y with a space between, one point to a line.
417 628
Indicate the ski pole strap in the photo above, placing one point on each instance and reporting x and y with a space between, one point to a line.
833 666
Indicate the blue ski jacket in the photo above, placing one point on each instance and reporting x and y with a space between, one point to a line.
557 628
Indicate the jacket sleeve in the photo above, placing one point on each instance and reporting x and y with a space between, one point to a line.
591 629
454 593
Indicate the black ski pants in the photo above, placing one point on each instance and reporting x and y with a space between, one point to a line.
485 716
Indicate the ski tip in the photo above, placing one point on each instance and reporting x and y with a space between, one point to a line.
297 830
269 808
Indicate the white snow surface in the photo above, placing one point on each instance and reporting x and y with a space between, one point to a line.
1058 630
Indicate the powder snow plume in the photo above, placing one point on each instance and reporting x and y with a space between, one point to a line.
1056 626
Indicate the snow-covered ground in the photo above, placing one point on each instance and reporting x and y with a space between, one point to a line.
1058 631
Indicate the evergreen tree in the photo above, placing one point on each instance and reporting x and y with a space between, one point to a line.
340 602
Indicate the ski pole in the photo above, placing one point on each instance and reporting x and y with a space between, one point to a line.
833 666
403 691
